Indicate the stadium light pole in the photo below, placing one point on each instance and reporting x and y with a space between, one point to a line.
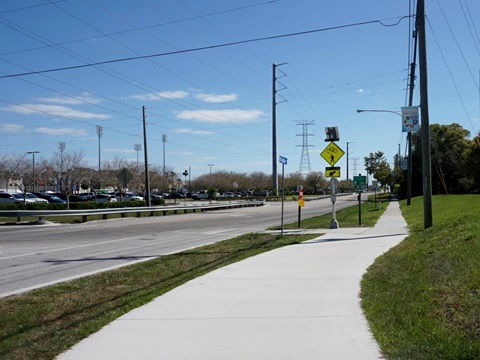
99 134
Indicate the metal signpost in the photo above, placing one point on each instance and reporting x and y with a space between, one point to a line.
359 181
301 203
331 154
282 160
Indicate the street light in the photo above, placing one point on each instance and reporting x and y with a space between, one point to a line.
33 166
409 162
185 173
210 168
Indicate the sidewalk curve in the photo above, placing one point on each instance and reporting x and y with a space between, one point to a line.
296 302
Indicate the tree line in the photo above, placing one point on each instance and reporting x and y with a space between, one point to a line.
455 162
68 173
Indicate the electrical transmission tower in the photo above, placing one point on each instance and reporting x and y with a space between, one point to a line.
305 158
355 166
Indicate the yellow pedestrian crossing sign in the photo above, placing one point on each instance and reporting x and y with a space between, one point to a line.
332 172
332 153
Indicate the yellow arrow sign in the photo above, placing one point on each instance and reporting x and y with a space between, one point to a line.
332 153
332 172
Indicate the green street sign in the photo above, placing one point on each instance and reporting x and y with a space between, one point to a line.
359 180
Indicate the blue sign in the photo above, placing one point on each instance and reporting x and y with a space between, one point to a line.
282 160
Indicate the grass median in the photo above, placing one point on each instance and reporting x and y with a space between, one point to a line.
372 209
422 298
43 323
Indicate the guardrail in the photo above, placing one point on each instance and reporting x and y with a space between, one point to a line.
163 210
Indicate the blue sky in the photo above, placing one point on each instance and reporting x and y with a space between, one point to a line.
215 104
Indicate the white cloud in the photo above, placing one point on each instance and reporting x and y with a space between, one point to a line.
193 132
213 98
361 91
161 95
61 131
71 100
12 128
227 116
56 110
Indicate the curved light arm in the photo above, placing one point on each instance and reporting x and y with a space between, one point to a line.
389 111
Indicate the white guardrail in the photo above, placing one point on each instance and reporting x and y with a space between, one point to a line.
163 210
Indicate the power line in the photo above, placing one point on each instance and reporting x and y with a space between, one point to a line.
205 47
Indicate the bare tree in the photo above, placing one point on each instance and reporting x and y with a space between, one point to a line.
314 181
74 172
19 169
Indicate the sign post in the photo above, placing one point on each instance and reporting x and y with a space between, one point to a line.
301 203
282 160
359 181
331 154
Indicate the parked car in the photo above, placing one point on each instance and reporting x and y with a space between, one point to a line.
10 198
174 196
105 198
128 196
51 198
72 197
35 198
229 194
86 196
156 196
202 194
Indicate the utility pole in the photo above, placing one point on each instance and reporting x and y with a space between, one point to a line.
210 165
274 127
147 178
410 102
348 158
426 156
33 167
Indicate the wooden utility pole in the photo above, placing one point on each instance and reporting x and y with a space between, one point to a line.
409 136
426 156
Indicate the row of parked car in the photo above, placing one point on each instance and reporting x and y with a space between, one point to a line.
50 197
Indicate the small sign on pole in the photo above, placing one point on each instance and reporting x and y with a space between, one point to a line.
282 160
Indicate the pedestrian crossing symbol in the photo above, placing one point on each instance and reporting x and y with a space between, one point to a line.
332 153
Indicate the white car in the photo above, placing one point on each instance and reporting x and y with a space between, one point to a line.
13 198
35 198
129 196
105 198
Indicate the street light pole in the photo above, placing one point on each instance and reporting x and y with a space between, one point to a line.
210 168
33 166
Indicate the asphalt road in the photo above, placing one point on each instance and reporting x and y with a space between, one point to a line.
33 256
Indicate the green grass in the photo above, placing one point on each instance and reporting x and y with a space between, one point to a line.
422 298
44 323
347 217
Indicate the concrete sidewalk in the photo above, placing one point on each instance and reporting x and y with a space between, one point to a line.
296 302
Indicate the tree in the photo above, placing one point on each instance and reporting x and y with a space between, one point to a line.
19 170
452 160
74 173
471 182
315 181
377 165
